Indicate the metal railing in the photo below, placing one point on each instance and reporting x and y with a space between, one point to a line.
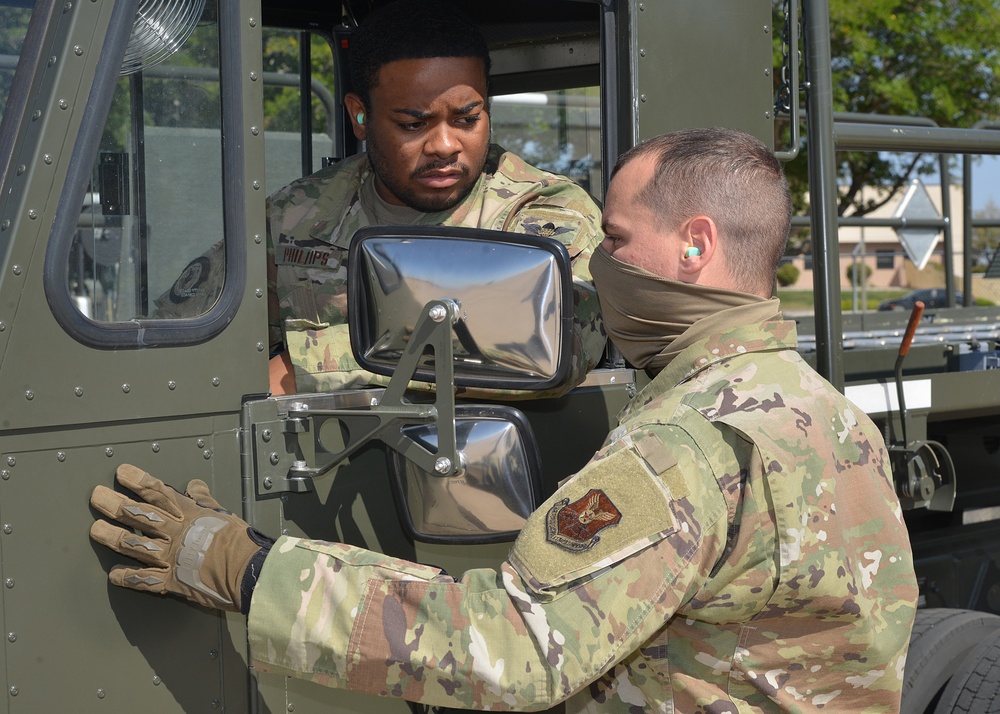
826 135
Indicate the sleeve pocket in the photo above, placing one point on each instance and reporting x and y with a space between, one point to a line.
613 508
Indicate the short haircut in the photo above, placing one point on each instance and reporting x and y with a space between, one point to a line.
412 29
734 179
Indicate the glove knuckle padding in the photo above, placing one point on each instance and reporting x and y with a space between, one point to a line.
147 550
196 548
145 579
193 552
135 514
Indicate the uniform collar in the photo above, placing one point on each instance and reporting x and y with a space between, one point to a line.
333 207
746 330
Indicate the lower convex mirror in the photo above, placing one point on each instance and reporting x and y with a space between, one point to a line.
490 497
513 292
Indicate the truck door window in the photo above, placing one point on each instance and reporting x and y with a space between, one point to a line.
558 130
149 242
290 114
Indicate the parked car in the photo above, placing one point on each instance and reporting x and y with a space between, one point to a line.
930 297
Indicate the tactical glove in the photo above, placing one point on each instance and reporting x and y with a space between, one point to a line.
193 546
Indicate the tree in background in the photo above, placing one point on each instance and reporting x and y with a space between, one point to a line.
858 273
786 275
281 55
936 59
986 239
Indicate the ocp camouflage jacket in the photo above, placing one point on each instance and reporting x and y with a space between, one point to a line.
311 223
736 545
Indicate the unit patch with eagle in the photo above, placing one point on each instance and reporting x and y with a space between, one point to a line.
574 526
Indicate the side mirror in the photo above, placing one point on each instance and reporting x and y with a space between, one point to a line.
460 307
513 292
492 494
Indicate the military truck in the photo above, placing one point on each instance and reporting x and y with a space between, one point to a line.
134 137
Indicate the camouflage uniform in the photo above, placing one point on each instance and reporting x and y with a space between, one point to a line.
736 545
311 223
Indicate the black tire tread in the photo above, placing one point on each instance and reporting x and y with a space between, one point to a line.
975 686
940 641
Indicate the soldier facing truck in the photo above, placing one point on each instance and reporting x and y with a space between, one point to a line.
736 542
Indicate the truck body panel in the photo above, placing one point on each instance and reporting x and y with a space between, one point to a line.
113 185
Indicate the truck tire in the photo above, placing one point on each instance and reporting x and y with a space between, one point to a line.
975 686
940 641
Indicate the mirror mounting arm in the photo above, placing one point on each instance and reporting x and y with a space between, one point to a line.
390 414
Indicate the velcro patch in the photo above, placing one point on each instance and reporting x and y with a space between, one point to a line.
297 255
662 460
565 225
612 508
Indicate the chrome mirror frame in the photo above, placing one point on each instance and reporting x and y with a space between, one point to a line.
524 343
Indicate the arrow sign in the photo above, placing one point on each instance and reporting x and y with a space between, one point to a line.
917 242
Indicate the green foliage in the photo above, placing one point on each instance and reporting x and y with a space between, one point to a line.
177 101
281 55
922 58
795 301
787 275
864 272
869 305
986 239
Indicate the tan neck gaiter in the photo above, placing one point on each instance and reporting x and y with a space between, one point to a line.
645 313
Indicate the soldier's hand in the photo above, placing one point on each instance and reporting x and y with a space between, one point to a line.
191 546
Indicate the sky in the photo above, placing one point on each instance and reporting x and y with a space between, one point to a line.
986 182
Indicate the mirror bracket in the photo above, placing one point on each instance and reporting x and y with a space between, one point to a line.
384 419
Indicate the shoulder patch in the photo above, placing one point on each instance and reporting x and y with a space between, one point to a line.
189 283
614 507
574 526
196 289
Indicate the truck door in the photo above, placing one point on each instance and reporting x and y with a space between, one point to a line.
132 327
304 74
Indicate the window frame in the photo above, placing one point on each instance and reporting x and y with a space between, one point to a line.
142 333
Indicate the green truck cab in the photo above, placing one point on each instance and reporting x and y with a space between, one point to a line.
137 136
